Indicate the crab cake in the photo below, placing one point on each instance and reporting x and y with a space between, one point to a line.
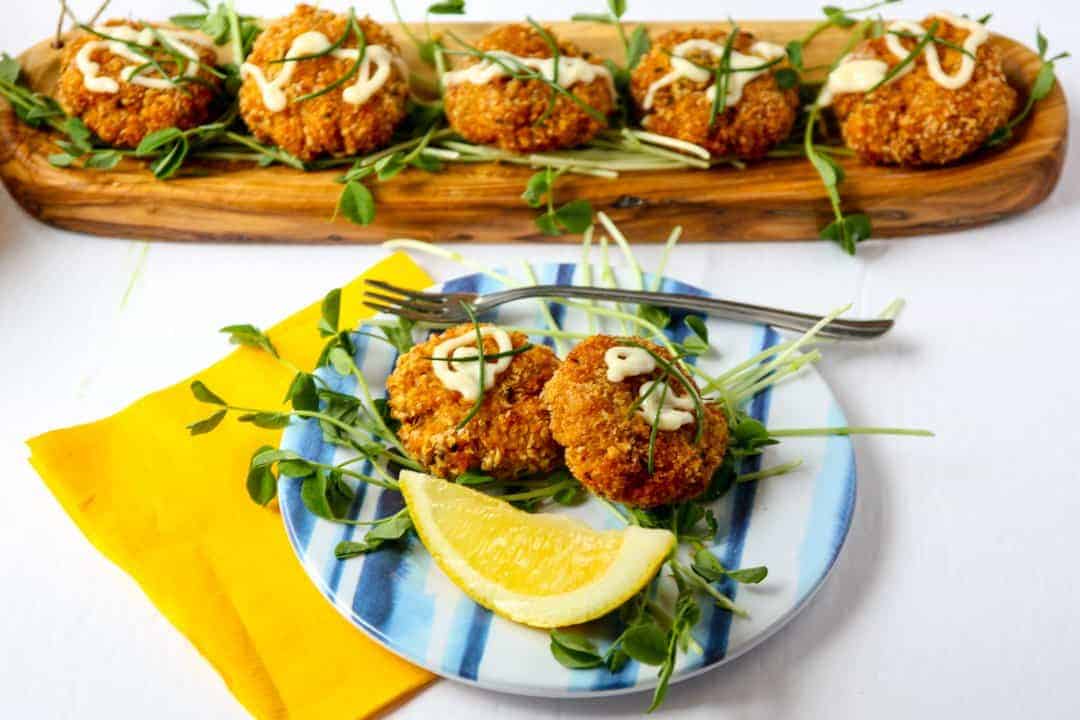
122 110
675 96
485 105
509 437
606 435
357 116
916 121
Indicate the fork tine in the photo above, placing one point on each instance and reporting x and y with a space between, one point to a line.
415 294
402 312
412 304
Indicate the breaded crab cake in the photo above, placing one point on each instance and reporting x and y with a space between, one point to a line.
509 437
674 93
357 116
97 83
485 105
606 439
914 120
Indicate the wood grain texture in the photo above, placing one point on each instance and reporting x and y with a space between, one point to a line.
769 200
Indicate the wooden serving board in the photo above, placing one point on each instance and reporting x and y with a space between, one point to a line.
769 200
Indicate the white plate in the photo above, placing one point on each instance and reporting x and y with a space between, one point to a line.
794 524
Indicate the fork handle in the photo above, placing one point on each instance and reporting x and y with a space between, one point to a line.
728 309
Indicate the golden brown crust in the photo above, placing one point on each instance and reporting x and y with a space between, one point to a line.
124 118
762 118
505 112
325 125
607 443
509 437
913 120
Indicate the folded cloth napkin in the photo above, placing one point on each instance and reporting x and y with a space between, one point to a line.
173 512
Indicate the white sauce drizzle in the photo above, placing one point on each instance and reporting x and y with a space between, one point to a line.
464 377
179 40
762 52
675 411
625 361
572 70
860 74
372 74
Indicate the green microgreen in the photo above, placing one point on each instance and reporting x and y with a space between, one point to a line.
845 230
896 70
575 216
516 70
353 28
1040 89
834 17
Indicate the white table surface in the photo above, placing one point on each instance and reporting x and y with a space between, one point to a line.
957 591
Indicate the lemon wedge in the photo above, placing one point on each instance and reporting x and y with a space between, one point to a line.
537 569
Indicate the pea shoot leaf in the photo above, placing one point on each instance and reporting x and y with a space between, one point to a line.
401 335
794 53
751 576
617 7
574 651
9 69
267 420
103 160
708 566
204 394
645 642
330 313
447 7
61 160
204 426
697 340
302 392
326 495
473 477
249 336
547 224
155 141
261 483
536 189
391 529
637 47
658 316
576 216
786 78
357 203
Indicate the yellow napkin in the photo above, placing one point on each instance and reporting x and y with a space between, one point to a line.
173 512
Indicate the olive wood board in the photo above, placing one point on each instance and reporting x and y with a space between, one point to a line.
775 199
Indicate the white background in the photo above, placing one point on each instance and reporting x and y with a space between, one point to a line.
956 594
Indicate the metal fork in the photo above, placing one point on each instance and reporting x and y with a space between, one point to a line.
446 308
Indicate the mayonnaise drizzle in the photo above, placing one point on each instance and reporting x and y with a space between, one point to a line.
464 377
664 410
179 40
761 53
626 361
572 70
372 74
855 74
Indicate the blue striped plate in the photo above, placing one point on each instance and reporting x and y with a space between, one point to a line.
795 524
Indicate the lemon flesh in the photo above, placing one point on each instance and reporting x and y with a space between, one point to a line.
537 569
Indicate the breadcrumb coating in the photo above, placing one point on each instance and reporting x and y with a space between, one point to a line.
324 125
607 443
506 112
122 119
509 437
913 120
761 119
